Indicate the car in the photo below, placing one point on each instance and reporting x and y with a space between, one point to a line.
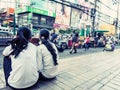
5 37
63 43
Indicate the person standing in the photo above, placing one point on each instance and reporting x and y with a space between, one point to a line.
47 57
20 68
54 37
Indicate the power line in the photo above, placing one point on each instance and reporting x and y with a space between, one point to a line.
107 6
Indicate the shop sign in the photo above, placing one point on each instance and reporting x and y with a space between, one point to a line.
43 12
45 7
21 10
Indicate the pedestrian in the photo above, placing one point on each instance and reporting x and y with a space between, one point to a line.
87 43
74 43
70 41
47 57
20 66
54 37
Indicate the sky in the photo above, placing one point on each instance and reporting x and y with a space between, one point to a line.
11 3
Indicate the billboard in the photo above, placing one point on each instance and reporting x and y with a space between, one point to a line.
62 15
44 5
110 28
75 17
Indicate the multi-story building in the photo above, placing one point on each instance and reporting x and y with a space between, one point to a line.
108 16
63 14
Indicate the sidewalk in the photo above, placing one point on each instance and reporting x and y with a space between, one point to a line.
97 71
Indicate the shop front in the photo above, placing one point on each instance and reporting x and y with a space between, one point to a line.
35 18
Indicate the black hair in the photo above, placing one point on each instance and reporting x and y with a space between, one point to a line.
21 41
76 34
44 36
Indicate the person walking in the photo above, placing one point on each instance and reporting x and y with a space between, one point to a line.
20 66
47 57
74 42
53 37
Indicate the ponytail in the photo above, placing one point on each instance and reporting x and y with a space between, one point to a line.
51 50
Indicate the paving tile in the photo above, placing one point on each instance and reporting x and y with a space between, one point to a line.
54 86
117 79
96 87
89 84
84 73
107 88
104 81
64 86
79 88
113 86
115 82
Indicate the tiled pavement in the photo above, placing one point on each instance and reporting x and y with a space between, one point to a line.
98 71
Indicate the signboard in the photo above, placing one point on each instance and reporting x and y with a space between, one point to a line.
62 15
44 5
21 10
75 17
110 28
35 10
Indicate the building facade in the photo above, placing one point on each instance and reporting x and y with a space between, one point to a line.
63 14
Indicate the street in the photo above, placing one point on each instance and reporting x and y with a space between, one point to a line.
62 55
93 71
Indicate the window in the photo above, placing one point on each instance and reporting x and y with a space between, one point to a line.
43 20
35 20
50 21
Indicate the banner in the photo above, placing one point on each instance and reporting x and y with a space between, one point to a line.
62 15
75 18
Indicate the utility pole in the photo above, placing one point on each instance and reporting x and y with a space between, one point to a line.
117 20
31 15
93 17
14 21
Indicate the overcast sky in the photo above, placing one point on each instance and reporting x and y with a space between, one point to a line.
11 3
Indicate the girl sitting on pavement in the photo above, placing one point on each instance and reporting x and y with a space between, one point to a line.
20 66
47 57
109 46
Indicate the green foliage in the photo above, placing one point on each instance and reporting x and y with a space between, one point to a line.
68 31
61 31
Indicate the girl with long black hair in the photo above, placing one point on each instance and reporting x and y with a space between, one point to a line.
47 57
21 69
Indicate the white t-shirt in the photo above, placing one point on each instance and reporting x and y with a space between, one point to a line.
45 61
24 67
